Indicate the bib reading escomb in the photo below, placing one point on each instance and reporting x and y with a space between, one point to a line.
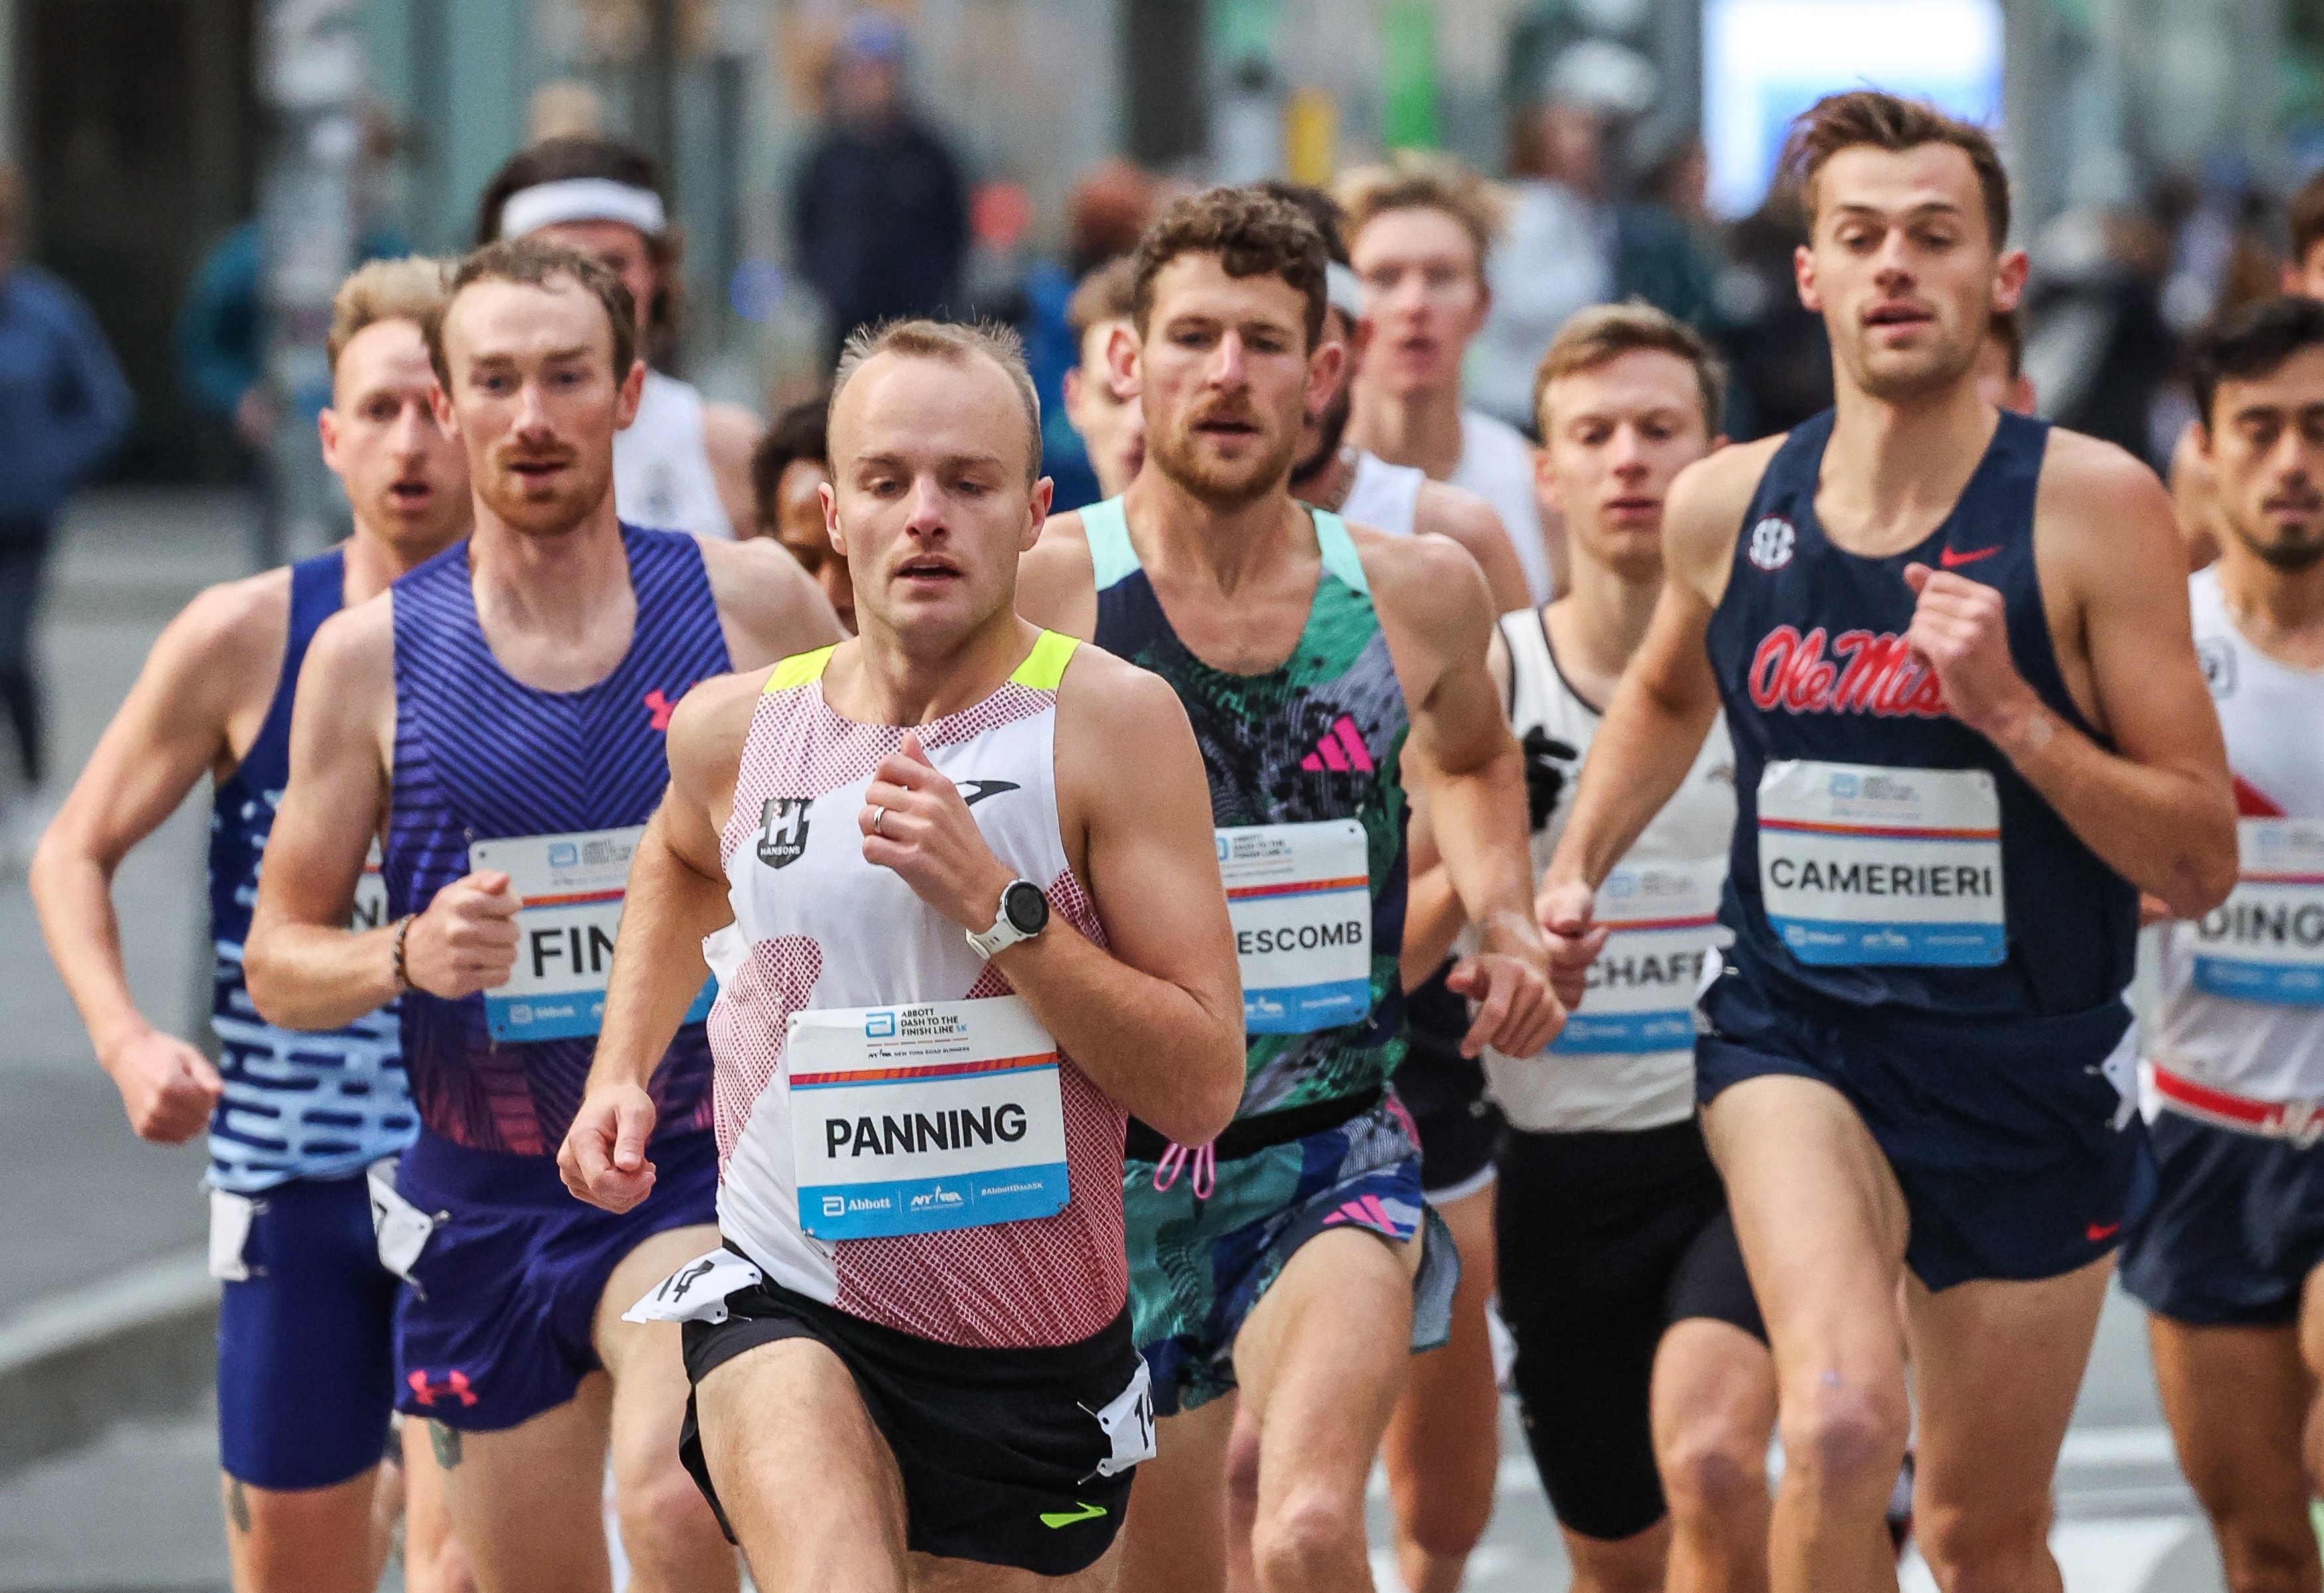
897 1136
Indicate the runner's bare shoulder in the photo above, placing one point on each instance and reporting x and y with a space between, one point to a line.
2101 516
225 648
1056 580
1703 514
708 728
767 603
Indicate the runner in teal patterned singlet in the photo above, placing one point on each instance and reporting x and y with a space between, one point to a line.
1326 669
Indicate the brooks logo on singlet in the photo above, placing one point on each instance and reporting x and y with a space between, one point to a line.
1868 673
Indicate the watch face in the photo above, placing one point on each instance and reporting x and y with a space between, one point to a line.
1026 908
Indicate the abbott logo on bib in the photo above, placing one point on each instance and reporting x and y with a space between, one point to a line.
2265 942
1862 865
1300 897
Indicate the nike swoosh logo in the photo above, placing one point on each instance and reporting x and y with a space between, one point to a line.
1953 557
972 792
1081 1512
2098 1233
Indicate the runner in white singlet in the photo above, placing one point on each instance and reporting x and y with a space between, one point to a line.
952 950
683 464
1418 234
2229 1258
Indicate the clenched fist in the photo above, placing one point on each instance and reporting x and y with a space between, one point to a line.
465 942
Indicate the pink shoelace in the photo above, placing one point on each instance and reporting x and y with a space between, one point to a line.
1203 1177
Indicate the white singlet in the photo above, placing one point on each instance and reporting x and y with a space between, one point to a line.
1497 465
2266 1042
1383 496
875 1077
662 478
1626 1058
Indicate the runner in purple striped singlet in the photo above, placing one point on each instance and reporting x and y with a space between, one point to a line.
496 720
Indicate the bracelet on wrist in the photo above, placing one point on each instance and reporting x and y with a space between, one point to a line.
403 969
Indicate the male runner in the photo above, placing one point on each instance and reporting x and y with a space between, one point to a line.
1638 1345
1968 729
2229 1258
1113 428
305 1382
513 694
2001 378
1325 668
790 468
1418 233
684 464
912 1359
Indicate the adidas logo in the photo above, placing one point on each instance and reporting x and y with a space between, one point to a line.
1341 750
1365 1211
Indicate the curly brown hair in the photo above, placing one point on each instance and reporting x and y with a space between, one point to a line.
1868 117
537 264
1252 232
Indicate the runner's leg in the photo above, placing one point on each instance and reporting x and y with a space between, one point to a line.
2237 1399
1241 1472
1442 1449
1321 1359
432 1559
1633 1564
667 1532
298 1540
1175 1536
528 1502
1822 1228
1996 1366
808 1484
1714 1404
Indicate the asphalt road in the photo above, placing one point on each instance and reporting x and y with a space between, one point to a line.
137 1509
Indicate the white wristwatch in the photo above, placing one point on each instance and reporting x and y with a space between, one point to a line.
1024 914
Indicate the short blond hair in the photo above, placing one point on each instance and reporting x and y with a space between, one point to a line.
1604 333
1411 181
414 288
952 343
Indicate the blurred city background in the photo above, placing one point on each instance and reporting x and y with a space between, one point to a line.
201 172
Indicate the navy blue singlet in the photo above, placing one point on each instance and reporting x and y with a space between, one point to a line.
295 1105
481 756
1806 645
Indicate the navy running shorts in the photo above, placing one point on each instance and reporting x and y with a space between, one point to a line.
2236 1227
2017 1155
496 1327
304 1377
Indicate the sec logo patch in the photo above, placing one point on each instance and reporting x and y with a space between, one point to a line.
1771 543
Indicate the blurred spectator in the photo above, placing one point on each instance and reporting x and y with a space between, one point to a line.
64 408
564 107
2100 344
2304 216
1667 250
879 214
788 470
1777 348
1108 208
1555 253
1112 430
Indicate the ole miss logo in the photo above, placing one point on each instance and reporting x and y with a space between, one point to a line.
1874 674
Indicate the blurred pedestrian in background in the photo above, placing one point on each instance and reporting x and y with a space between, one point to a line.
1778 353
1554 256
1667 248
878 212
790 468
64 406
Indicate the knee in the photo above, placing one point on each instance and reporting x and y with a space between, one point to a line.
1307 1537
1990 1549
1845 1435
1711 1472
441 1568
2265 1560
664 1516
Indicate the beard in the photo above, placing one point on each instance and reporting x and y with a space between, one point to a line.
2290 553
1331 430
578 493
1900 377
1220 484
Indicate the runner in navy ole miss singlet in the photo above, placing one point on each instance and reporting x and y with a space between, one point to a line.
955 945
1952 646
500 714
305 1374
1325 668
2228 1260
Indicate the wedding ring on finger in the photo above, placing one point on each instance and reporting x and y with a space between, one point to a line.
878 816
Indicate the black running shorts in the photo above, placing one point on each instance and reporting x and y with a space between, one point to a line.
1606 1239
1444 1091
999 1449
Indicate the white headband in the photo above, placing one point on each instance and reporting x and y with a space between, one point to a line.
1343 291
582 198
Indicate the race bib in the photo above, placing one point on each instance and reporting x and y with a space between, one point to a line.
571 886
1639 994
914 1119
2265 942
1863 865
371 895
1128 1421
400 1229
1300 896
696 1291
231 1216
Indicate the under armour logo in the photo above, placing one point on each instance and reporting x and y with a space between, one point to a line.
660 707
455 1385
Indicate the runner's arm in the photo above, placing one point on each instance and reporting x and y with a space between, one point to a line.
170 729
768 605
1470 520
1432 917
2160 808
729 433
676 895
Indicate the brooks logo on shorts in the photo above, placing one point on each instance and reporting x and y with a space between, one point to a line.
1341 750
1079 1512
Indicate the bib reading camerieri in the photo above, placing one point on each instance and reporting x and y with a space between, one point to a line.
898 1138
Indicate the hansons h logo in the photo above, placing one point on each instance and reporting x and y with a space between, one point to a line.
1771 543
782 830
